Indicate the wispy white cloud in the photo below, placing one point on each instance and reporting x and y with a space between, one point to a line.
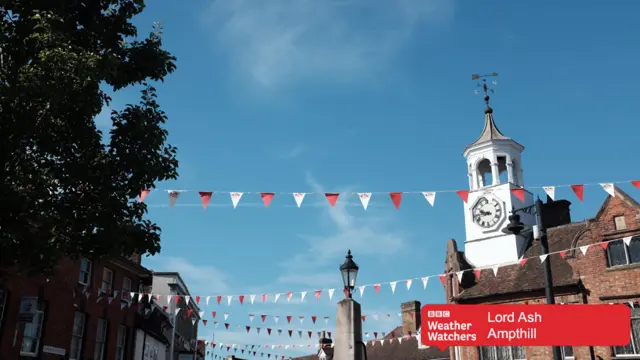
275 43
365 236
201 279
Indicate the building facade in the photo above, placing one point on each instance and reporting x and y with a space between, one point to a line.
84 310
593 261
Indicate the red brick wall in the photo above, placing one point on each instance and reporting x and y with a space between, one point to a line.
599 280
60 306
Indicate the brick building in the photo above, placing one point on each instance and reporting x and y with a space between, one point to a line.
408 348
83 311
596 273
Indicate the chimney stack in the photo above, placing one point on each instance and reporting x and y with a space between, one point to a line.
325 345
410 317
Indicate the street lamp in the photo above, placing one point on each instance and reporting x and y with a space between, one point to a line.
515 227
349 272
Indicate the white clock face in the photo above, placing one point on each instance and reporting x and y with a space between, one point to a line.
486 213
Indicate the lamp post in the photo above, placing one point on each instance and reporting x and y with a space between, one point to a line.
515 227
349 272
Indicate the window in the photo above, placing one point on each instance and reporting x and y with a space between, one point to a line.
122 342
32 316
126 289
85 272
567 352
77 334
620 254
619 223
634 346
107 281
503 353
101 339
3 302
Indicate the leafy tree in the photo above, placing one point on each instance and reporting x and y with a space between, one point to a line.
65 190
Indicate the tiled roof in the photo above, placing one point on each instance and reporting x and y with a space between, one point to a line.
490 132
515 279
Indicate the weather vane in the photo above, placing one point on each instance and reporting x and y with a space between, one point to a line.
483 85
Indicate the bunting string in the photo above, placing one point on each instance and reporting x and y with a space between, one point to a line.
365 197
255 299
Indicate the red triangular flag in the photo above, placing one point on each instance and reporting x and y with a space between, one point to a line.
346 293
218 299
264 317
204 322
313 318
332 198
269 331
205 196
143 194
189 311
636 183
377 288
604 245
165 308
198 300
248 328
329 334
442 278
177 299
523 261
519 193
214 314
396 198
579 190
563 254
241 298
464 195
266 198
226 326
364 317
289 319
264 298
318 292
477 273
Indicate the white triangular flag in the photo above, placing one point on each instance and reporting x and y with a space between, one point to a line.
186 299
252 298
393 286
193 321
110 299
207 300
140 297
276 298
235 198
330 291
610 188
364 199
201 314
400 340
177 311
302 295
543 258
430 196
627 240
122 305
276 318
460 274
251 317
409 282
631 304
584 249
382 342
424 281
298 197
301 318
229 298
326 319
173 197
169 299
361 288
551 191
132 294
226 316
115 293
495 270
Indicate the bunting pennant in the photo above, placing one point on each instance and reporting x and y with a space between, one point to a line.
408 282
550 191
583 249
519 193
393 286
636 183
235 198
173 197
464 195
289 295
424 282
266 198
364 199
298 197
276 297
318 292
205 197
396 198
332 198
430 196
361 288
579 191
609 188
543 258
143 195
330 291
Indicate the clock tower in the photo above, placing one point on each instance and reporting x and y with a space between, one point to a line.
494 168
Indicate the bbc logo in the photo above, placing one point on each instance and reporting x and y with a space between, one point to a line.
438 313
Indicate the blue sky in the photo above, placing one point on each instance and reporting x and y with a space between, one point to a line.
300 96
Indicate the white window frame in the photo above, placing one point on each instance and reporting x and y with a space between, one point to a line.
77 334
564 355
495 352
37 321
106 286
121 344
89 265
634 345
626 253
126 291
619 226
100 349
3 303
